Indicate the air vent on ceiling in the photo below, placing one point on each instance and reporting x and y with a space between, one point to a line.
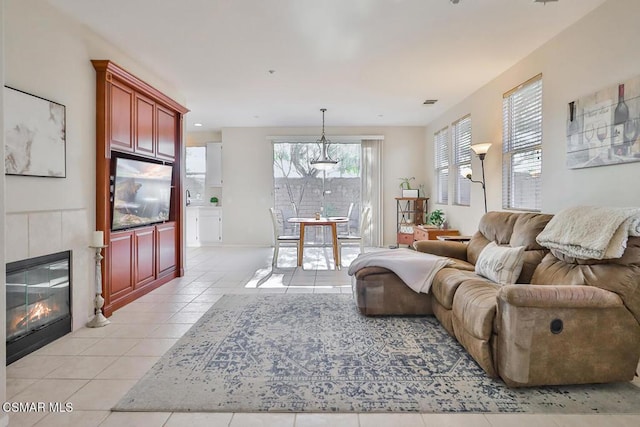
430 101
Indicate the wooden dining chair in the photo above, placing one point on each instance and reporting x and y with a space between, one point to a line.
352 238
280 238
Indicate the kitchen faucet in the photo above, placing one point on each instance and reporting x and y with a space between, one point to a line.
188 197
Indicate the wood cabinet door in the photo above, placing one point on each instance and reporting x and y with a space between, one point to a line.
144 129
145 265
166 123
121 117
121 264
166 247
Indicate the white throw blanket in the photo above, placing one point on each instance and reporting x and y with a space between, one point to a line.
416 269
591 232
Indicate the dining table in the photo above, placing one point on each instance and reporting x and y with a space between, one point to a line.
331 221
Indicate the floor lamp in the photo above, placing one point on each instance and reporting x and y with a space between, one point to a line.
481 151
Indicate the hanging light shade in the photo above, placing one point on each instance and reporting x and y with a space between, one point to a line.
323 162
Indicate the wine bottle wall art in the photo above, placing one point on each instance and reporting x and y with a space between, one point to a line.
604 128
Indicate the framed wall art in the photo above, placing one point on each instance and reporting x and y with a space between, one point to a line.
604 128
35 135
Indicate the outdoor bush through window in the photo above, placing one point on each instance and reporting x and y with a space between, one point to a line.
522 146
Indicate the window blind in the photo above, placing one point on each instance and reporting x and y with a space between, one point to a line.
441 142
461 136
522 146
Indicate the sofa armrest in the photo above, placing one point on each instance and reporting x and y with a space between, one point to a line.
365 272
447 249
548 296
570 334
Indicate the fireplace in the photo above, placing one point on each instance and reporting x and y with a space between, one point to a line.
38 303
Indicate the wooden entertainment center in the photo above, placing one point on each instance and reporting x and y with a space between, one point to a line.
136 121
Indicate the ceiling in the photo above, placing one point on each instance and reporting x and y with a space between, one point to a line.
369 62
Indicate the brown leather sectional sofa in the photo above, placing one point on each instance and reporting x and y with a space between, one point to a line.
566 321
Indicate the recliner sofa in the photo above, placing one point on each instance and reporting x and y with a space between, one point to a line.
565 321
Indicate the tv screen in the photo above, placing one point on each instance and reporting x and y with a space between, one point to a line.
141 193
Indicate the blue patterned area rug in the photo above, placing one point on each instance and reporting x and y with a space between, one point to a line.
316 353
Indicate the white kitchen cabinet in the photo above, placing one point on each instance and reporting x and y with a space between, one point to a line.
192 227
204 225
214 164
210 225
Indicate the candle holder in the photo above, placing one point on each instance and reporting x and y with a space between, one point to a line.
98 320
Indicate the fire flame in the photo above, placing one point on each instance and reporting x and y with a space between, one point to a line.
37 312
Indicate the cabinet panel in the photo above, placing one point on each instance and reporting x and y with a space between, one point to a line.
192 227
210 226
214 164
166 253
166 122
145 265
144 128
121 264
121 124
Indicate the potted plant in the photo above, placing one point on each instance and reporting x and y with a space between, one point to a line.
436 218
406 183
214 201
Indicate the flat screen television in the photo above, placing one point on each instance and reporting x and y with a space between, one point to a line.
141 193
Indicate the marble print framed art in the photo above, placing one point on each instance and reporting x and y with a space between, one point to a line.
35 135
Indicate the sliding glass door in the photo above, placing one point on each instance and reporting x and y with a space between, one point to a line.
302 191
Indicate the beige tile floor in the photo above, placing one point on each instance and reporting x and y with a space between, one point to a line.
94 368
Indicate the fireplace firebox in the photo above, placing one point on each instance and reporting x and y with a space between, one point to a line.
38 303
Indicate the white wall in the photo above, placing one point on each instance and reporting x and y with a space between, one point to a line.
48 54
247 159
598 51
4 419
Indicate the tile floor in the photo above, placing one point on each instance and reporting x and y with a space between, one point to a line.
94 368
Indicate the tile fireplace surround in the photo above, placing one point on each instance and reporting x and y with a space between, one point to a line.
34 234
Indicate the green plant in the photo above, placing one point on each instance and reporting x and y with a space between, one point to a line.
406 184
436 218
214 200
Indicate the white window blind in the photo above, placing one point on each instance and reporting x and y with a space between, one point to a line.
522 146
441 141
461 136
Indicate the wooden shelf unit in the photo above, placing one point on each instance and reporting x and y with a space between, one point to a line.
409 213
136 121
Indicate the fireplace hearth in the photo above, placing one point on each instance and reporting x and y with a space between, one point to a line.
38 303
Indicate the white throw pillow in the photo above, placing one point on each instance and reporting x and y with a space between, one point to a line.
501 264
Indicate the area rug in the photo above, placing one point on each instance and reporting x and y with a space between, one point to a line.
316 353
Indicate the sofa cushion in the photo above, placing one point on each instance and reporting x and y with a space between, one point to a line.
446 282
474 307
500 264
620 275
513 229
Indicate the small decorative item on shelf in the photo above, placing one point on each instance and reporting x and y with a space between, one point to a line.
214 201
406 184
437 218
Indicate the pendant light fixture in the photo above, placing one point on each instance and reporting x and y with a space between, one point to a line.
324 162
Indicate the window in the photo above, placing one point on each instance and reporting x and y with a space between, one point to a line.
522 146
442 165
300 190
196 171
461 138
